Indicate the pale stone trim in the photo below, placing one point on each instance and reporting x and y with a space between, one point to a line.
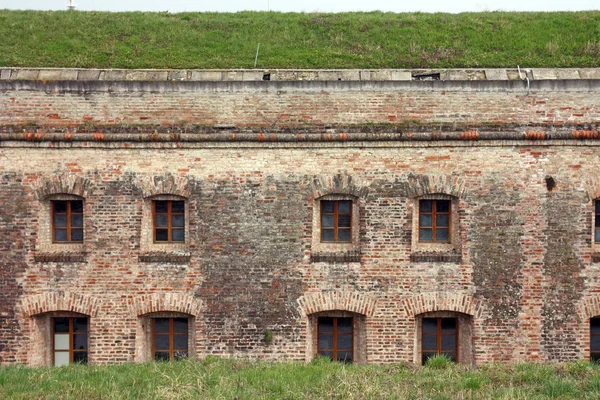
163 302
437 301
354 302
339 184
421 185
61 184
164 184
60 301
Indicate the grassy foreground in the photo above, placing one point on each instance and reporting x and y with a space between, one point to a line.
231 379
298 40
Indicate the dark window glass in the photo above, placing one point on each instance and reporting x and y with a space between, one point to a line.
169 220
162 356
61 324
595 339
439 336
429 325
597 223
80 357
170 338
162 206
67 221
434 221
336 220
60 235
180 325
161 342
70 340
80 342
429 343
335 338
325 341
161 325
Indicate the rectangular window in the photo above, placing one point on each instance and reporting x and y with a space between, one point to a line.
434 221
439 336
595 339
169 338
597 222
169 221
336 220
67 221
70 340
335 338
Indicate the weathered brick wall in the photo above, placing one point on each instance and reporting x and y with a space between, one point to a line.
522 265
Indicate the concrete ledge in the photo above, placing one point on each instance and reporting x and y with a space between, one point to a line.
217 75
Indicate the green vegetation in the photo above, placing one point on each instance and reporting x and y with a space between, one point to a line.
298 40
228 379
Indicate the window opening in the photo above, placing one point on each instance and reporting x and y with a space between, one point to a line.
597 222
595 339
439 336
169 338
335 338
336 220
67 221
70 340
169 220
434 221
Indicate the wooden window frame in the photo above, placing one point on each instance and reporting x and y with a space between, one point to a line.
71 334
68 227
169 226
171 334
336 214
335 334
434 213
595 352
596 217
439 335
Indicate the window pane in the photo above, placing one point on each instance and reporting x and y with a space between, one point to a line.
178 235
429 325
180 342
80 342
76 235
441 220
161 325
61 341
597 206
442 205
327 221
325 324
344 206
448 343
344 325
425 220
61 324
80 324
597 238
345 356
595 357
448 325
76 206
425 205
60 220
426 356
61 358
327 235
325 341
344 221
178 220
162 206
76 219
162 220
425 234
161 342
344 235
327 354
597 221
429 342
60 206
345 342
595 343
80 357
162 235
60 235
595 326
327 206
178 207
180 325
451 356
441 235
161 356
180 355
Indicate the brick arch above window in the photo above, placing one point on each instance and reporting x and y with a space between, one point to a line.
68 184
358 303
592 187
419 186
438 301
165 302
60 301
339 185
590 307
166 184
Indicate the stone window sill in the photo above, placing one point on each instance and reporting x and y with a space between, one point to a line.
61 257
336 257
441 257
175 257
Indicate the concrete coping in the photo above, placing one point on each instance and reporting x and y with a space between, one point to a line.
226 75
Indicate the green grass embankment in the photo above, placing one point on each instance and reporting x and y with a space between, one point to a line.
298 40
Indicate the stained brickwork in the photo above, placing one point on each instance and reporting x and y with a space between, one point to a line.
520 271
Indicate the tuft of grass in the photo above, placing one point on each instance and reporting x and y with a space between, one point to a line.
441 361
298 40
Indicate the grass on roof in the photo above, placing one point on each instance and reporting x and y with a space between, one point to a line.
298 40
